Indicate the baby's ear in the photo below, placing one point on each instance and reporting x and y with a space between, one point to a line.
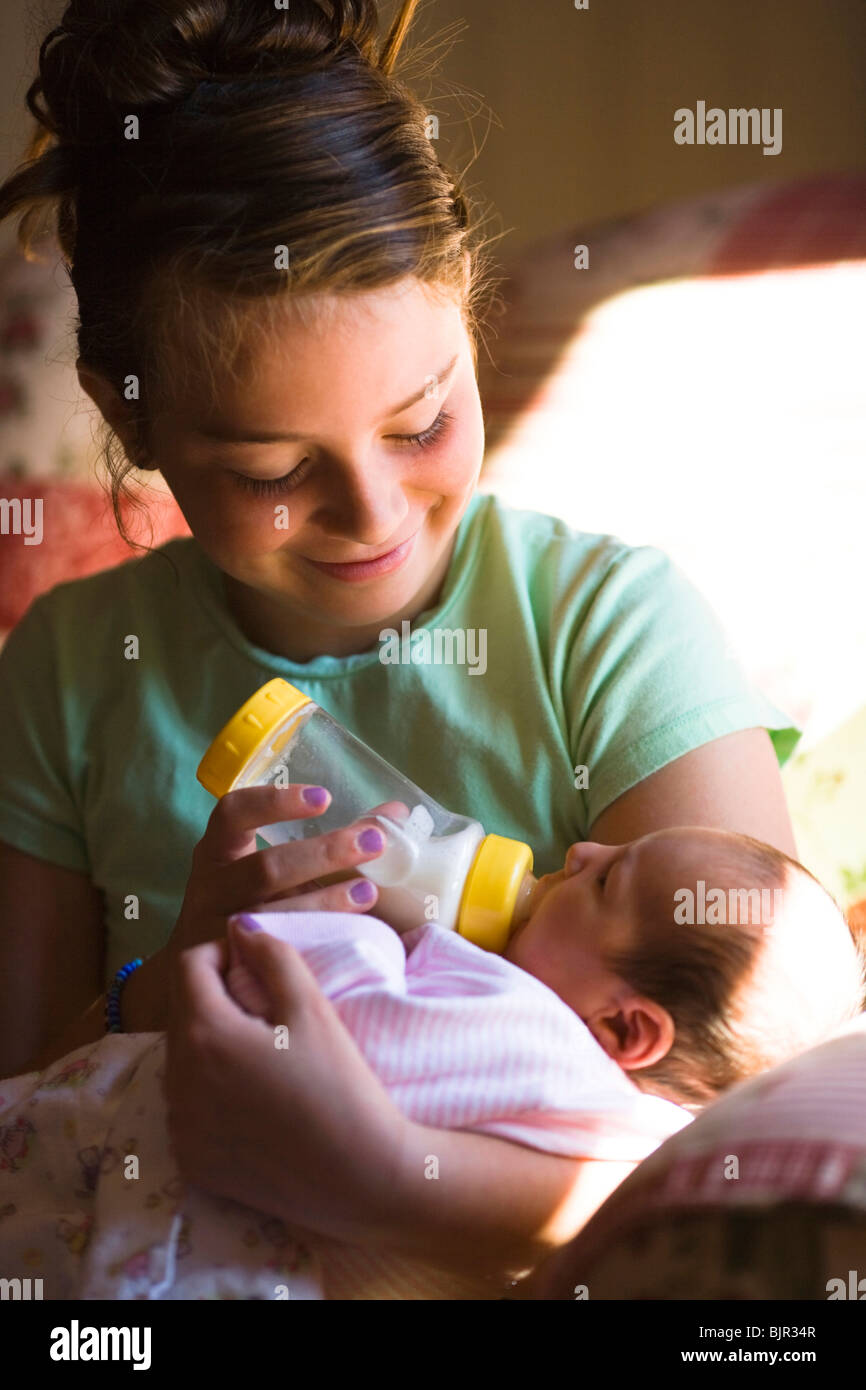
636 1032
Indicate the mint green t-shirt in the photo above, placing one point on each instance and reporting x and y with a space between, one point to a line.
594 654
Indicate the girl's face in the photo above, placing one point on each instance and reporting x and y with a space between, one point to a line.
327 484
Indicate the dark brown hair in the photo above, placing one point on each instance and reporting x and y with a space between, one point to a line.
254 128
697 972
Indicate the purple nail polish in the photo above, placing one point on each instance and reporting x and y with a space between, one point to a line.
245 922
362 892
369 840
314 796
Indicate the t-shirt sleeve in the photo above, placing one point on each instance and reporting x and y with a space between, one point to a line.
39 813
649 675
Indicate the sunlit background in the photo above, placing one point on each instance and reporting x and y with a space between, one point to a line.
723 420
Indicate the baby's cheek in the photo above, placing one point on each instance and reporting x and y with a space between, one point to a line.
527 952
547 950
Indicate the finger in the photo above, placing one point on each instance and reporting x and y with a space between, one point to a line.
337 897
281 972
199 992
397 810
245 989
240 813
271 874
196 995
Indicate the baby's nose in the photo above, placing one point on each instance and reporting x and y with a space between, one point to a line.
584 852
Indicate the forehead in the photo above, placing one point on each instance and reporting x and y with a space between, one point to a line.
231 356
694 849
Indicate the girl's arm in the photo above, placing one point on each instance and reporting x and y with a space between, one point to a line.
144 1010
51 943
496 1207
297 1088
51 966
731 783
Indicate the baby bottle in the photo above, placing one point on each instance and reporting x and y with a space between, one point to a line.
435 865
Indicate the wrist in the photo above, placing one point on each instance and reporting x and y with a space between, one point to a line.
144 999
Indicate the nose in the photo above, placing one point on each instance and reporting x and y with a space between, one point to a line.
368 506
586 853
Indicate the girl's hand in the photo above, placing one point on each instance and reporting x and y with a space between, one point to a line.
229 874
305 1131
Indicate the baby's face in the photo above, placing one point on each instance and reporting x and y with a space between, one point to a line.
589 905
597 902
600 898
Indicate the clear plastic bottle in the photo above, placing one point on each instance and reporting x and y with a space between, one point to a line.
436 865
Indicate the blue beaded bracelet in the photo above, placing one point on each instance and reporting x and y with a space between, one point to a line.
112 1002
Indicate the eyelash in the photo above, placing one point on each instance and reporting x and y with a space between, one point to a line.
428 437
263 487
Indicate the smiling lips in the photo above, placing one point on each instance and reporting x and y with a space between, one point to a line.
368 569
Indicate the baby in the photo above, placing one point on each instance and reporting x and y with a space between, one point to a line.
634 963
696 957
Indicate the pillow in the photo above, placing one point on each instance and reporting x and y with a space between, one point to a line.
48 454
763 1196
63 529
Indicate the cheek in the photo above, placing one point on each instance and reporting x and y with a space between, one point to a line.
532 952
229 523
452 468
551 948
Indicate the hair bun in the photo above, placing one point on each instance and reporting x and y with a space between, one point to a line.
112 56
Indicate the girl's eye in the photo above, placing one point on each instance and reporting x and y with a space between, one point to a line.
428 436
264 487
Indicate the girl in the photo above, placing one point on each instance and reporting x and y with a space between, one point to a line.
280 291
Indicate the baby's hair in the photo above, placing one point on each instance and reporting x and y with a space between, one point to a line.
697 971
275 154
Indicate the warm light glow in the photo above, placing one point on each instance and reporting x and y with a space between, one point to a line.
724 420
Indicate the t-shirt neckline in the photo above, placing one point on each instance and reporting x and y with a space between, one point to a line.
208 583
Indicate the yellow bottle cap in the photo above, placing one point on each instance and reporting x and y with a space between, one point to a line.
490 892
247 733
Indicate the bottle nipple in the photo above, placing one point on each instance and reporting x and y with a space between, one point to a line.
398 860
521 906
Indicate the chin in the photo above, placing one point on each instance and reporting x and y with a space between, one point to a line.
512 951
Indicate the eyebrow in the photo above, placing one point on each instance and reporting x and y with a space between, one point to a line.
233 437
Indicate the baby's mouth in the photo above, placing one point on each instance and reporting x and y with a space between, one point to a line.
543 887
529 905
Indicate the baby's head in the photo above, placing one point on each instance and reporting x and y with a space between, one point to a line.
696 957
